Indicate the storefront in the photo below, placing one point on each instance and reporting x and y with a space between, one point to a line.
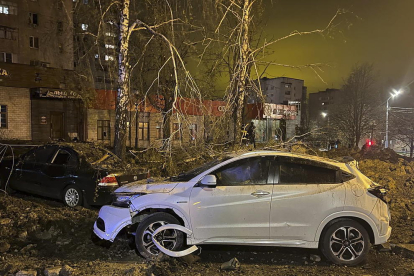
56 115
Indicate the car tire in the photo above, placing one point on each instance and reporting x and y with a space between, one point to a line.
72 196
345 242
170 239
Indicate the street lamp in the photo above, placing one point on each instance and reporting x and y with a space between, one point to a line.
324 115
393 95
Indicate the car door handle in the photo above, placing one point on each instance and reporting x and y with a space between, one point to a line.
260 193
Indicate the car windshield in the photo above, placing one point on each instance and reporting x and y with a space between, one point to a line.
194 172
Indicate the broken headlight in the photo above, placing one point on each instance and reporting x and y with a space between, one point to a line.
123 199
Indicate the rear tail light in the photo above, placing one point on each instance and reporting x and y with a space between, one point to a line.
109 181
379 192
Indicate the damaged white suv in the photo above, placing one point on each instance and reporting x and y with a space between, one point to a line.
258 198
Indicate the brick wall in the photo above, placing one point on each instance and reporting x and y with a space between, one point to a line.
17 101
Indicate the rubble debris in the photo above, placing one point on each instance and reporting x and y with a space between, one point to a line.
190 259
5 221
314 258
67 271
52 271
385 247
26 273
4 246
233 264
405 250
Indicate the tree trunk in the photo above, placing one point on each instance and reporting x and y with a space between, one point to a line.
243 68
411 147
122 99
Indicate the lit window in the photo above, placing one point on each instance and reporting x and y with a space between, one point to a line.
110 34
4 9
109 58
3 116
109 46
84 27
143 130
96 56
34 42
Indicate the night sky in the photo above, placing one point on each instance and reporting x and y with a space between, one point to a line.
382 32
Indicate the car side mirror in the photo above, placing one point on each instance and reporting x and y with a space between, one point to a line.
209 180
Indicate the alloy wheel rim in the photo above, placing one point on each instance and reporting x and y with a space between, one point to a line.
167 238
347 243
72 197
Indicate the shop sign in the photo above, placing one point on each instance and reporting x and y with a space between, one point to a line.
3 72
58 94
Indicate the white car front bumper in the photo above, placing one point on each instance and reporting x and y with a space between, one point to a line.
111 220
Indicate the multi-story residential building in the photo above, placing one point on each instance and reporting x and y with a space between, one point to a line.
283 91
36 59
322 103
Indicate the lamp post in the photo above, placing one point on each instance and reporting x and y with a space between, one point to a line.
393 95
324 115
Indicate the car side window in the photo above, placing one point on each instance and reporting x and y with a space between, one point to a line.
299 173
63 157
39 155
248 171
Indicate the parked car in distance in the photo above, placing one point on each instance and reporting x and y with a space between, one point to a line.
264 198
77 174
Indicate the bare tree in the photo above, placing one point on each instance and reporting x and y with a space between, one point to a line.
403 127
357 104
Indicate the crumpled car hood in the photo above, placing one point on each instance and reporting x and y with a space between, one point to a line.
143 187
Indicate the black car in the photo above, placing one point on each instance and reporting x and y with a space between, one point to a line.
75 173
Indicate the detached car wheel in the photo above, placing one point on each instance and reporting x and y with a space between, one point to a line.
345 242
72 196
170 239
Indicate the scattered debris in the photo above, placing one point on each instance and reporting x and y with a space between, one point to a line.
67 271
314 258
405 250
26 273
385 247
5 221
233 264
52 271
4 246
190 259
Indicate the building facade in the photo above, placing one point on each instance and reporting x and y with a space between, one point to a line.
322 103
36 60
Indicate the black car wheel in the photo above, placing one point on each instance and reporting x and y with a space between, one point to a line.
170 239
345 242
72 196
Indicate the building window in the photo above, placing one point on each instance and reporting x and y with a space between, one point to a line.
109 58
60 48
110 34
143 130
99 79
4 9
8 8
288 85
3 116
33 19
109 46
7 33
287 92
104 130
159 130
86 2
193 132
6 57
84 27
34 42
177 131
